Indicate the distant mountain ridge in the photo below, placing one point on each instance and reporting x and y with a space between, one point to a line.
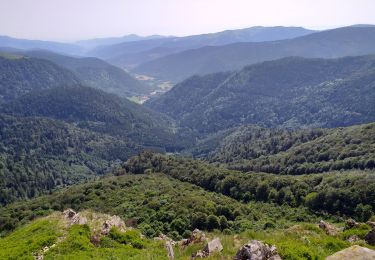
92 43
24 44
346 41
130 54
290 92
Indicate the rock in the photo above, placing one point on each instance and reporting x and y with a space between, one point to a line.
170 251
370 238
351 223
69 213
74 218
353 239
212 247
113 221
353 253
197 236
371 224
328 228
257 250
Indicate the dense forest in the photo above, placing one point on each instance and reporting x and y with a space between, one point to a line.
37 155
101 112
282 151
20 75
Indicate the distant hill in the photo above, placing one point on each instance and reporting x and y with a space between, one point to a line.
38 155
19 75
347 41
92 43
130 54
101 112
25 44
96 73
290 92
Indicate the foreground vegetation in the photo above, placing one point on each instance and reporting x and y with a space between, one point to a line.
338 193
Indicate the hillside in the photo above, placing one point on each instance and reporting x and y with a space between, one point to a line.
153 203
101 112
57 237
38 155
281 151
290 92
347 41
343 193
20 75
96 73
130 54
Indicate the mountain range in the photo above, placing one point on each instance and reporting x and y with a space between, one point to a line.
346 41
134 53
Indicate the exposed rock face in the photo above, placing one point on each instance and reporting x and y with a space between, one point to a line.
257 250
74 218
114 221
353 253
211 247
328 228
351 223
370 238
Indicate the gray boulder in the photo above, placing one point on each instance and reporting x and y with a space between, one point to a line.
353 253
257 250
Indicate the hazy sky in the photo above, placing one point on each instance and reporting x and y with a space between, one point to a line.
79 19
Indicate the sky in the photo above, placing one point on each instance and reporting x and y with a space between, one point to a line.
70 20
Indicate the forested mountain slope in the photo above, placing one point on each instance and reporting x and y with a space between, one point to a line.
101 112
96 73
37 155
290 92
19 75
281 151
346 41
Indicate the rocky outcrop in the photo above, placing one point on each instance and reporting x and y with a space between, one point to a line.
73 217
370 238
353 253
351 223
212 247
113 221
330 230
257 250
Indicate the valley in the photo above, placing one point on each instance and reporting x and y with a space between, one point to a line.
248 144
